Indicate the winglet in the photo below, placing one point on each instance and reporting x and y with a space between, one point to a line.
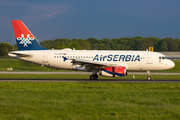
24 38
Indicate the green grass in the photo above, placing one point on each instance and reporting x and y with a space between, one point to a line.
19 65
82 76
79 101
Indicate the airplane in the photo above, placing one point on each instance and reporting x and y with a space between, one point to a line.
109 63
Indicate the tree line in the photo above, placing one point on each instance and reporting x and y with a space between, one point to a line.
133 43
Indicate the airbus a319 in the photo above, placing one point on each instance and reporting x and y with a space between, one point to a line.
110 63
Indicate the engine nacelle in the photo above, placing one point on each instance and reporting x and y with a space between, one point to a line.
113 72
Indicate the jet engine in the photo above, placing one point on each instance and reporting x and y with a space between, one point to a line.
113 71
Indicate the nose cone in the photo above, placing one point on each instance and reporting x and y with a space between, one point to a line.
171 64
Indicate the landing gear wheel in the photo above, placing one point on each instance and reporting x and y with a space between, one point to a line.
148 78
93 77
96 76
148 74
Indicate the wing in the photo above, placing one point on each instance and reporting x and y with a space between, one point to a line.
91 65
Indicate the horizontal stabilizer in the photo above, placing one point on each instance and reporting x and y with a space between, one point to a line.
19 55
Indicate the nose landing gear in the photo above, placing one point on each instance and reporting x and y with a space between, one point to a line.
148 74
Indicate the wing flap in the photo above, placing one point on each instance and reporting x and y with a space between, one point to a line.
82 61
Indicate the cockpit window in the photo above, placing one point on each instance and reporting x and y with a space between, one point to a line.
162 57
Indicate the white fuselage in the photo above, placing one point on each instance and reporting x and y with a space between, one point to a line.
132 60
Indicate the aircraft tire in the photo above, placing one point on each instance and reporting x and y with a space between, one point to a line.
93 77
96 76
148 78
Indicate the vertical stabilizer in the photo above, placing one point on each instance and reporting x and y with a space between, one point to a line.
24 38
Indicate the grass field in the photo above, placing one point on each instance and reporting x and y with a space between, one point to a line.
19 65
85 100
90 101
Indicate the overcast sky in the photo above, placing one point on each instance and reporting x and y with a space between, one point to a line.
51 19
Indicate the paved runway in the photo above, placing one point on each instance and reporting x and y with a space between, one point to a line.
86 80
129 73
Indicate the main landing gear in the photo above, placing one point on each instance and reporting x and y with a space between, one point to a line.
93 77
148 74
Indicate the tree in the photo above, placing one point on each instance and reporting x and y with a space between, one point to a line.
61 43
84 44
5 48
75 45
164 46
93 42
172 44
47 44
178 42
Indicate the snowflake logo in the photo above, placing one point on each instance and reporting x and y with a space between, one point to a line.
26 40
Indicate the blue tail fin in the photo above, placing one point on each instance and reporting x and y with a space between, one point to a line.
24 38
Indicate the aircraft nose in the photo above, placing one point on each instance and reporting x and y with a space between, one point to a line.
171 64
